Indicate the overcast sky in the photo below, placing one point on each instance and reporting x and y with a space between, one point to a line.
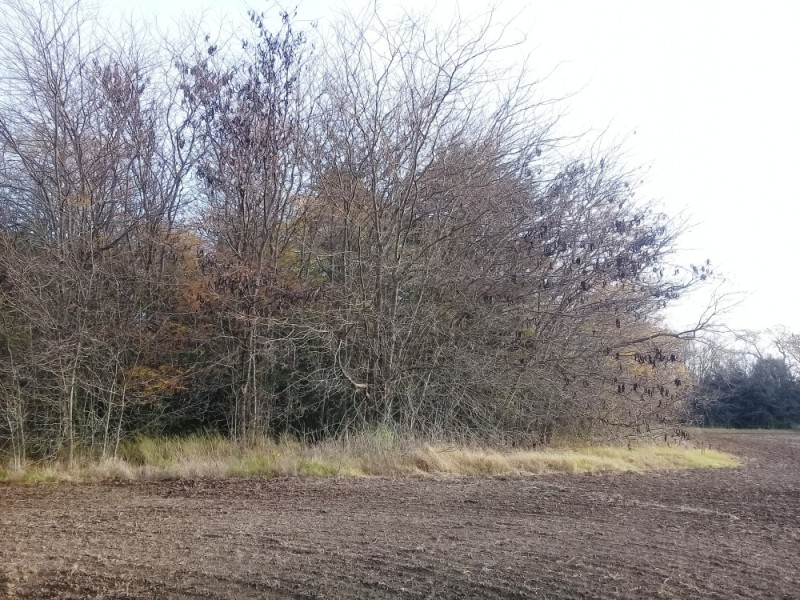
705 95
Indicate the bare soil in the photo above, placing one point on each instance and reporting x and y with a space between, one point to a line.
731 533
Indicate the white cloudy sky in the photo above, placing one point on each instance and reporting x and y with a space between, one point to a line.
705 94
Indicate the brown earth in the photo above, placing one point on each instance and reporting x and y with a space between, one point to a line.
732 533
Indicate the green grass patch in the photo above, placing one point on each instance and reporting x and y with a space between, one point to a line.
316 468
372 453
33 475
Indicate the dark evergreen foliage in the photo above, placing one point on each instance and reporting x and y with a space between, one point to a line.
763 395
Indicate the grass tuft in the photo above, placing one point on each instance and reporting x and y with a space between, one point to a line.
380 452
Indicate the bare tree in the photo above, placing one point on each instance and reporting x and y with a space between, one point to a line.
315 232
91 175
252 113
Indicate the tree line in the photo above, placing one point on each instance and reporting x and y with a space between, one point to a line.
749 387
314 231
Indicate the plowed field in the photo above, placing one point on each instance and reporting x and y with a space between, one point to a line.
731 533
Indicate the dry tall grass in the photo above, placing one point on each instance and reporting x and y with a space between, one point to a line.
380 452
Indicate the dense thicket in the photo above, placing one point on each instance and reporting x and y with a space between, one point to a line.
760 394
261 237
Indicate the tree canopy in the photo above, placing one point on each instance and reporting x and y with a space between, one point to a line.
760 394
314 232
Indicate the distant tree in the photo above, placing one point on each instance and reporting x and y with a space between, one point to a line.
787 343
737 394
